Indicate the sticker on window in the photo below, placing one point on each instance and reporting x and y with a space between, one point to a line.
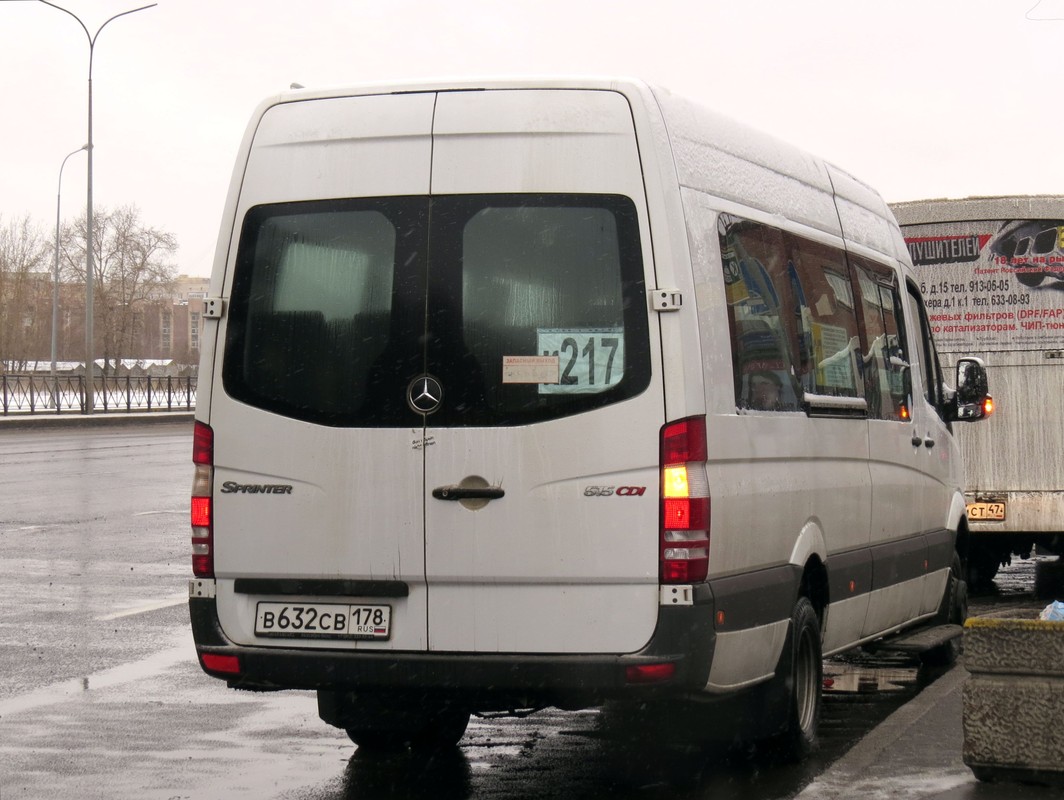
836 354
530 369
590 360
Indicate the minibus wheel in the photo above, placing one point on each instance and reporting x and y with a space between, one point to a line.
953 610
803 658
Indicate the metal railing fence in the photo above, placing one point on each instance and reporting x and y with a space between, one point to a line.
47 394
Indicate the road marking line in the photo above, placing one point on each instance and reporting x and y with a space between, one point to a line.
75 688
155 605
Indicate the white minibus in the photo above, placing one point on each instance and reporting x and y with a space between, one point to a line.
528 393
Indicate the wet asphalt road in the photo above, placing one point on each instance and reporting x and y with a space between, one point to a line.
101 696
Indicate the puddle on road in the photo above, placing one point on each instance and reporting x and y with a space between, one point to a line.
841 679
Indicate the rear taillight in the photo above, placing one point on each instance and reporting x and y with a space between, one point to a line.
228 665
202 510
684 502
650 673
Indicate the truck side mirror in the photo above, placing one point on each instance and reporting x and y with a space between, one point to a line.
972 399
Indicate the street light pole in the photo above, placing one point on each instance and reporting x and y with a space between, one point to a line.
55 275
90 356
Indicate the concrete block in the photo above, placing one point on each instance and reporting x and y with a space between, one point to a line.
1014 646
1013 700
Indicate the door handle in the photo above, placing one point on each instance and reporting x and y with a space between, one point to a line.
917 441
468 492
929 442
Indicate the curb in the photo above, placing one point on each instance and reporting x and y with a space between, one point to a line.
74 420
862 771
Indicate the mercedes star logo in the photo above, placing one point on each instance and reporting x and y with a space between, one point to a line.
424 394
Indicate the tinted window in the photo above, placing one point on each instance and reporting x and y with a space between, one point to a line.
547 282
763 316
794 322
885 357
828 333
323 296
524 307
930 367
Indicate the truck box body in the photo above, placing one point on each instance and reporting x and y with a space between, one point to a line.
993 267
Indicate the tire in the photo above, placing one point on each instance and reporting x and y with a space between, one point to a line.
1049 579
983 565
374 740
439 730
443 731
953 610
803 671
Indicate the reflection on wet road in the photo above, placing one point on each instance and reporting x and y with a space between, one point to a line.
158 728
579 755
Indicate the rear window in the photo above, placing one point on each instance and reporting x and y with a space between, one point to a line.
522 307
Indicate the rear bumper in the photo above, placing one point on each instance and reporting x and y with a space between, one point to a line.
684 638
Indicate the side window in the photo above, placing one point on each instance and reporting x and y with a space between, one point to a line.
885 360
762 315
829 347
930 367
793 319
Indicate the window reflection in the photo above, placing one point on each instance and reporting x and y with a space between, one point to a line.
796 326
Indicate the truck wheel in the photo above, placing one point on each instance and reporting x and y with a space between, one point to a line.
804 678
953 610
983 565
1049 579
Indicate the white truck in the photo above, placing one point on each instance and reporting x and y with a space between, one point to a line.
992 274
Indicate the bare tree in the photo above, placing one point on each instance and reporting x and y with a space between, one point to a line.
132 269
24 279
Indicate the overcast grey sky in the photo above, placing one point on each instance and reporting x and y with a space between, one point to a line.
920 98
